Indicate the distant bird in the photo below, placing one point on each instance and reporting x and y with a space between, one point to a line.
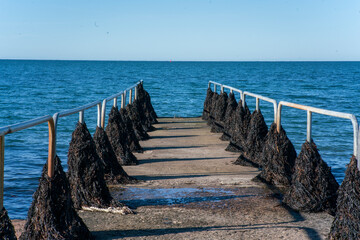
95 24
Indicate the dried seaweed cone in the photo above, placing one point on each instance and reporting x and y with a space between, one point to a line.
118 138
346 224
229 117
239 130
85 172
313 187
207 104
144 97
256 138
131 139
219 113
113 172
211 118
52 214
7 230
278 157
135 117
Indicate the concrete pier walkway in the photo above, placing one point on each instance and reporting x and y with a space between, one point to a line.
191 190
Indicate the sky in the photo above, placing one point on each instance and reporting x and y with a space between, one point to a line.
187 30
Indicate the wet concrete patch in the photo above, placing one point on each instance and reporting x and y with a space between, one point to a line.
136 197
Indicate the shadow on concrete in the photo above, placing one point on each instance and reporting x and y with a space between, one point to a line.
176 136
170 147
147 178
114 234
176 128
176 159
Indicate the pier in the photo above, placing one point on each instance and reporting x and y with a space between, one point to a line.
224 175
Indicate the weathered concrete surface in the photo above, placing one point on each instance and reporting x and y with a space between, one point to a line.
184 155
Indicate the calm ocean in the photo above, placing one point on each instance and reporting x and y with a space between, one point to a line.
30 89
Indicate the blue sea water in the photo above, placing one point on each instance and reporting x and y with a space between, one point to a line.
30 89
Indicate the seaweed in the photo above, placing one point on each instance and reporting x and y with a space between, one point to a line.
313 187
136 121
219 113
239 129
243 161
256 137
278 158
131 139
113 172
346 224
118 139
144 97
214 100
229 117
207 104
7 231
52 214
86 173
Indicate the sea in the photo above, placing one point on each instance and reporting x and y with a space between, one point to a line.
34 88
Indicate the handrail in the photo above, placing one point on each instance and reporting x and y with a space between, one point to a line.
232 89
18 127
257 96
123 100
311 110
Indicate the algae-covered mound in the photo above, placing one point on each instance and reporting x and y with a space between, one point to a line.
207 104
135 117
131 139
313 187
229 117
278 158
256 137
7 230
219 113
118 138
239 129
144 98
52 214
346 224
214 99
113 172
85 172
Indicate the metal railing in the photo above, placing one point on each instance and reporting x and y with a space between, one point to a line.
52 124
244 94
123 100
311 110
21 126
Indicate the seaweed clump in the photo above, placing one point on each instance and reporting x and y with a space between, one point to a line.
207 104
240 126
7 230
346 224
213 102
118 138
279 158
131 139
256 137
113 172
219 113
136 121
313 187
86 173
229 117
52 214
144 99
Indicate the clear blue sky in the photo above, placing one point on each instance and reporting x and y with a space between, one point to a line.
180 30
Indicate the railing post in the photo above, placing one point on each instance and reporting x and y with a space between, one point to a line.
257 104
103 109
2 156
122 100
214 87
135 96
99 115
278 118
115 102
130 96
309 125
81 116
222 89
243 99
51 148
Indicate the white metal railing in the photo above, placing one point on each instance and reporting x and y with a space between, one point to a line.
123 100
52 124
18 127
244 94
310 110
